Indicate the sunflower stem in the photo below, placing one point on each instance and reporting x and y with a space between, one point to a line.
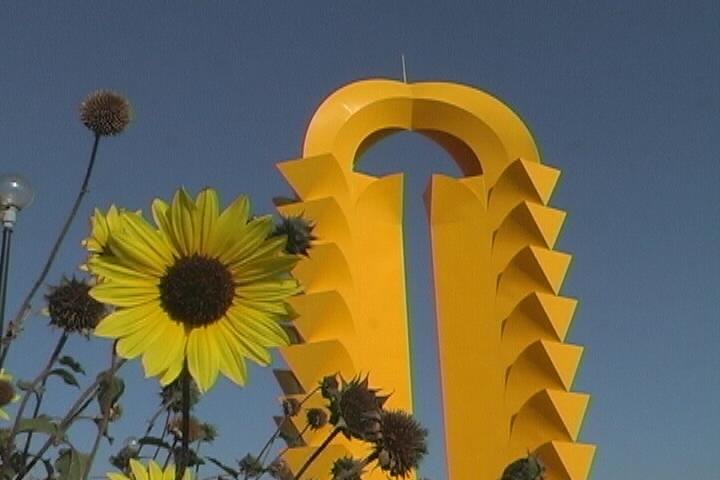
317 453
25 306
185 457
105 410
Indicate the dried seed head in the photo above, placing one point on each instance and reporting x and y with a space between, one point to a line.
347 468
299 234
280 470
71 307
250 466
402 443
105 112
329 387
195 432
291 407
316 418
172 395
529 468
357 410
7 392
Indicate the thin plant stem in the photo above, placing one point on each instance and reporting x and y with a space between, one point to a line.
317 453
37 382
41 394
105 410
25 305
75 410
164 432
185 456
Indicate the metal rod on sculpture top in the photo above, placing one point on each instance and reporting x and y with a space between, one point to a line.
15 194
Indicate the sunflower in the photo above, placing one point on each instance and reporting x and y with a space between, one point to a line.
152 472
7 393
203 289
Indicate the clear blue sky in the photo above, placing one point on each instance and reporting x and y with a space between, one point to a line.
623 97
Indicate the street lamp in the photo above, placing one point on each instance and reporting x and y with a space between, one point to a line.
15 194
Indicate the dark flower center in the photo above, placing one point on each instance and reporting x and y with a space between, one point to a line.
197 290
7 392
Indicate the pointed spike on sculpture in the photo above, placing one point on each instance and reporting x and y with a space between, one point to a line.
553 266
322 316
542 178
565 359
311 362
571 408
566 460
548 221
315 177
326 269
558 311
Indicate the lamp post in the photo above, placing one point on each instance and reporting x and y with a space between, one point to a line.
15 194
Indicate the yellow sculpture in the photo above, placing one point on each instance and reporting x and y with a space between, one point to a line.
506 373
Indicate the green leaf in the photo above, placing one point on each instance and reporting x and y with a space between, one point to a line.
40 424
72 364
110 390
228 470
71 464
66 376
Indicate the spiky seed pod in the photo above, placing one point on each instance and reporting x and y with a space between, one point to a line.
329 387
7 392
171 395
316 418
291 407
299 234
402 444
210 432
357 409
105 112
280 470
528 468
71 307
250 466
347 468
196 431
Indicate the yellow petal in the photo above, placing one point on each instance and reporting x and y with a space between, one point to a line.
159 212
263 269
251 238
272 247
138 342
246 347
113 269
181 220
231 223
135 254
256 326
202 361
165 349
269 291
231 362
155 471
138 470
124 295
169 473
176 365
208 205
126 320
151 241
116 476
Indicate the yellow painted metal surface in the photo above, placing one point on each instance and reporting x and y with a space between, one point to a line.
506 373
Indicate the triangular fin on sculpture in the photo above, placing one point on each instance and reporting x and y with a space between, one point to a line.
570 407
558 311
314 177
553 265
542 178
565 359
310 362
567 460
548 221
